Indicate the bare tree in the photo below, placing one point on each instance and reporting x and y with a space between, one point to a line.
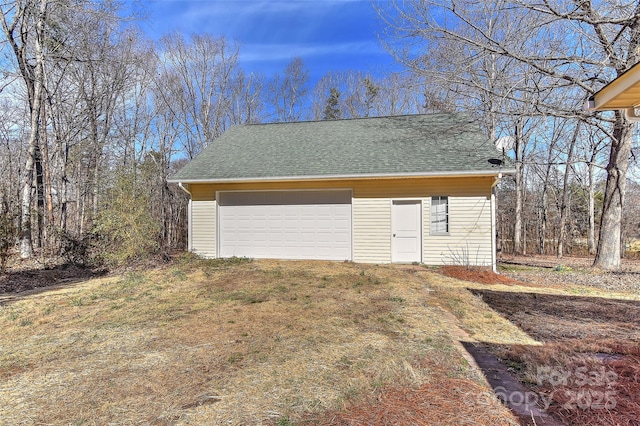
590 153
398 94
197 78
12 153
24 28
573 46
362 95
247 98
565 199
286 92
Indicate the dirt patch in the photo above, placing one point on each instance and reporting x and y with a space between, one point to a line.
576 262
557 318
588 370
18 280
560 272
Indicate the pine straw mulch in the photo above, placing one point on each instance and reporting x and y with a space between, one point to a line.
600 392
577 387
478 275
443 401
588 370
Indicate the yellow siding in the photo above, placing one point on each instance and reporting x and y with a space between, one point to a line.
203 224
371 230
421 187
469 239
363 188
469 215
202 192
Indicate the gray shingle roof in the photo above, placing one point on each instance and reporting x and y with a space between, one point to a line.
434 144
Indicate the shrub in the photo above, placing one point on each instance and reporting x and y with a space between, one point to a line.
125 228
8 233
79 251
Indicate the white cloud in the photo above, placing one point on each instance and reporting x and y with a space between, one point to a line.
277 52
247 20
236 17
327 35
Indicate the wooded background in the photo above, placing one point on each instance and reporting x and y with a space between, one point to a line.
94 117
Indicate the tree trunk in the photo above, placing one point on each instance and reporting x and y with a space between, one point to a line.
608 254
543 221
92 167
519 178
80 202
517 224
564 203
64 197
26 243
48 187
39 184
591 231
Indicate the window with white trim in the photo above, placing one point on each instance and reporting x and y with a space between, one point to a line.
439 215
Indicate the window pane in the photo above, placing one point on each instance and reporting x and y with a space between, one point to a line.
439 215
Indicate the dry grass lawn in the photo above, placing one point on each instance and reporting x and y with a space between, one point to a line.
239 342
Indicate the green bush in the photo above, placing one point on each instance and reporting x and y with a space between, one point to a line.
124 228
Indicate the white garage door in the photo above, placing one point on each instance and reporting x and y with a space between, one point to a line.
285 224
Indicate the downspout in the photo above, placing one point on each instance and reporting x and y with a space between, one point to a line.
189 233
494 235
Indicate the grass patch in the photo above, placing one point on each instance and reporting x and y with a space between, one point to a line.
233 341
507 267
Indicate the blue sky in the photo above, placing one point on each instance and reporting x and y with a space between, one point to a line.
328 35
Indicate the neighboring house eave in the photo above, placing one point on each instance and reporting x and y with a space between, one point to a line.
474 173
621 93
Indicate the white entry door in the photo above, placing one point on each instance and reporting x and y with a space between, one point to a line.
406 230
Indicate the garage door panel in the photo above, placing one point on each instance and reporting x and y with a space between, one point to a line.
285 198
289 225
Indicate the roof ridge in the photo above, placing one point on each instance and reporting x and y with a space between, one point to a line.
353 119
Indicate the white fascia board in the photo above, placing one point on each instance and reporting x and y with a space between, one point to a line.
354 176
